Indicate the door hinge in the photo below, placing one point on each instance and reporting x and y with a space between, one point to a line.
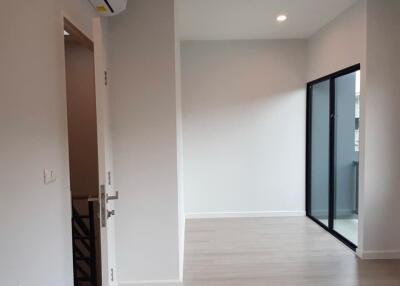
105 78
112 274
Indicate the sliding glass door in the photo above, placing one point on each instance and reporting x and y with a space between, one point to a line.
347 110
332 153
320 120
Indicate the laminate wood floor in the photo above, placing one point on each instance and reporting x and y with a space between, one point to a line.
276 252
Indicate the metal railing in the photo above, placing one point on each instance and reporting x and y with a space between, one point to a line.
84 242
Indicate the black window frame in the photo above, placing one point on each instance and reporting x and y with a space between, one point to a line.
332 167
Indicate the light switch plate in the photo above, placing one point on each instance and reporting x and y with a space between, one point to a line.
49 176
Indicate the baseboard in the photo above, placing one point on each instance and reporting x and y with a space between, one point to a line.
151 283
376 254
244 214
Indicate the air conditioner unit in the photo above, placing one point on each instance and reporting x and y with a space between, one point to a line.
109 7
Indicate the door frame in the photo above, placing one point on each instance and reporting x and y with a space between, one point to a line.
106 232
77 34
332 166
78 37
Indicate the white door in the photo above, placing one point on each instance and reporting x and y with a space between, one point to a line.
107 193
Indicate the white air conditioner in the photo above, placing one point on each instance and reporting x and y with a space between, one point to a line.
109 7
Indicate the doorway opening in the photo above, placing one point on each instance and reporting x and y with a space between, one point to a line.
333 116
83 156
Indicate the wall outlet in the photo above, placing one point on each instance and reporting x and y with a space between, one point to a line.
49 176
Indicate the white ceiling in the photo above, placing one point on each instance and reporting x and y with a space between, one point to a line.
255 19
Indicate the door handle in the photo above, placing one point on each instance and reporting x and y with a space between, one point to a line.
111 198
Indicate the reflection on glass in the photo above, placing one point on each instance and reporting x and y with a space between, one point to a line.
347 115
320 151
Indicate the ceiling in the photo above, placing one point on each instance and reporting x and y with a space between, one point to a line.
255 19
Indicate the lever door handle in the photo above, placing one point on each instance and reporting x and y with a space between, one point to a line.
111 198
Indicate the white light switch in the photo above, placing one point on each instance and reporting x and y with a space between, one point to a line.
49 176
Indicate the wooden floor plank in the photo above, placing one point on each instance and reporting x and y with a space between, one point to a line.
276 252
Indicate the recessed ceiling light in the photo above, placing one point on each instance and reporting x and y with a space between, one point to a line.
281 18
66 33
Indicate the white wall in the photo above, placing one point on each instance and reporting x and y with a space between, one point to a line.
179 133
244 127
339 44
145 138
35 241
382 136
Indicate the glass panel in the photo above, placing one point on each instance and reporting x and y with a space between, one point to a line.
347 92
320 151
